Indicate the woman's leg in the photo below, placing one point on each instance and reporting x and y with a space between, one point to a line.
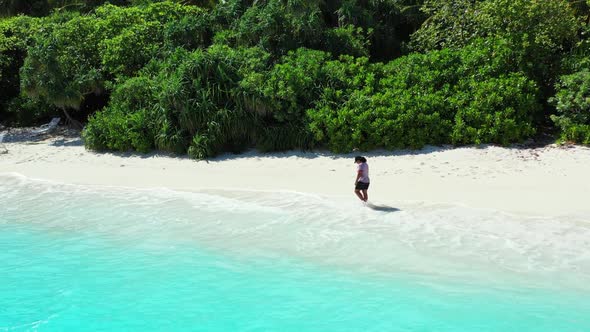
359 194
365 195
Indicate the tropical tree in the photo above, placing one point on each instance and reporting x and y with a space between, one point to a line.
81 55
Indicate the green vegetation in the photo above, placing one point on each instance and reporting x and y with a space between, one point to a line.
441 97
573 107
203 77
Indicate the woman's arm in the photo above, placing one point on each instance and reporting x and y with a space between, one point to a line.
359 174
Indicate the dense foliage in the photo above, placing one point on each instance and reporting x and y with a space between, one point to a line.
573 106
442 97
201 77
538 32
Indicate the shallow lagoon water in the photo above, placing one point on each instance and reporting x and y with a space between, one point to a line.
114 259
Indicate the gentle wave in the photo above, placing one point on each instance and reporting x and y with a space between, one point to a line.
109 259
430 241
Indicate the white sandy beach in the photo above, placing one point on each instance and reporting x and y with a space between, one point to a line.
547 181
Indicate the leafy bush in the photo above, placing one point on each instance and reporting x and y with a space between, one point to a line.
79 55
127 52
129 122
571 131
539 32
290 87
139 34
202 100
275 25
25 111
63 65
15 37
369 114
441 97
572 101
189 103
531 25
348 40
451 24
190 32
498 110
114 129
359 28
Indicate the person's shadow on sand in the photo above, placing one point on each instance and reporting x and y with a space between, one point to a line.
382 208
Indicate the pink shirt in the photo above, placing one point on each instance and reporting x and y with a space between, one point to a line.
365 175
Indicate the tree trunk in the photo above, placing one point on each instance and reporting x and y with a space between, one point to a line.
73 123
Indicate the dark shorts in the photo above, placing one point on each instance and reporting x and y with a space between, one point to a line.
361 186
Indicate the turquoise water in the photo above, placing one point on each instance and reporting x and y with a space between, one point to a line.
80 258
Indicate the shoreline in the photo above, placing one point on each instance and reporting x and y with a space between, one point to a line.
542 181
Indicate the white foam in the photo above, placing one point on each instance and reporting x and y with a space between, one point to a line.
436 240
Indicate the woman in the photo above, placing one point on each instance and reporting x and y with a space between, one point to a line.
361 184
